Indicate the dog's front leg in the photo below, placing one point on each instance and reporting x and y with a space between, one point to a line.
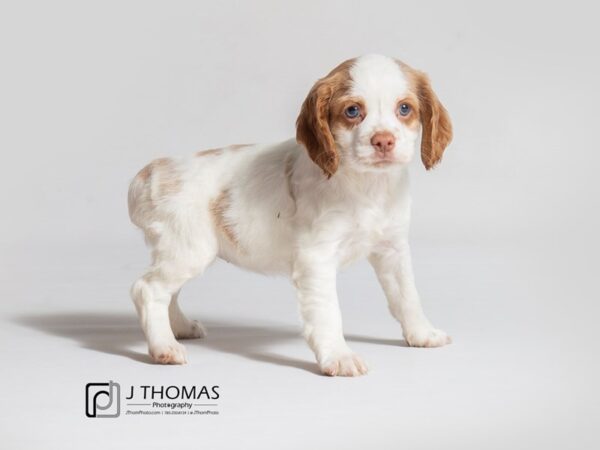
392 263
315 281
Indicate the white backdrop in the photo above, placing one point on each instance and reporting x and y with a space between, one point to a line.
505 230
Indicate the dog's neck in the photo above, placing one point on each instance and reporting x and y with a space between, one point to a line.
373 186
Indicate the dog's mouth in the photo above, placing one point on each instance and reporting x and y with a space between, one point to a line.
387 160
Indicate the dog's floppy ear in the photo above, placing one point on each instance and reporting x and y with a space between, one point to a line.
437 128
312 126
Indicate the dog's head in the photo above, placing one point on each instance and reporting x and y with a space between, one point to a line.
368 113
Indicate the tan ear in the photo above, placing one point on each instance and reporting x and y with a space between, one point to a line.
437 128
312 127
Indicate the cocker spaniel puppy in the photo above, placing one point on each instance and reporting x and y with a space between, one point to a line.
304 207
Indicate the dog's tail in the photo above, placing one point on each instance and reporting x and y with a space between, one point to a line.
153 184
139 195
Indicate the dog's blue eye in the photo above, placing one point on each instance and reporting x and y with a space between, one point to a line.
352 111
404 109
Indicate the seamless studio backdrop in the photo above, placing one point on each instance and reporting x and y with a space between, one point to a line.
504 232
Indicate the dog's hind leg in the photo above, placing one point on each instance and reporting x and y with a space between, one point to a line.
183 328
175 261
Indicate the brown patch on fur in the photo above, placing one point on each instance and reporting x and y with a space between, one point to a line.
219 151
437 127
145 173
154 184
209 152
313 127
162 174
168 177
239 146
218 209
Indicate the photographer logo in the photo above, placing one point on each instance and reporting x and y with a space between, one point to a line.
103 399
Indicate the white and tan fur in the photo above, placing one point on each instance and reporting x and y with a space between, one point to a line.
304 207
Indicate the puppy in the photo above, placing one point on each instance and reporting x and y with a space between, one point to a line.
304 207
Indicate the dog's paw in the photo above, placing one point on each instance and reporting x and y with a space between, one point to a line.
190 329
427 337
346 364
171 353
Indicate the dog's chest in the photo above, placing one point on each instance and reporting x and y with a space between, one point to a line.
364 229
